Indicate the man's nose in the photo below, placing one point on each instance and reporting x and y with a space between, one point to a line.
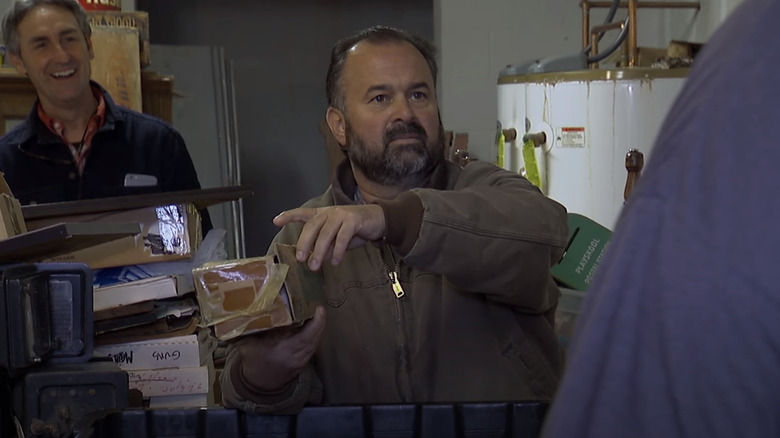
402 110
60 54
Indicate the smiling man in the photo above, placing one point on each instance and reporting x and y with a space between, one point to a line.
76 143
436 279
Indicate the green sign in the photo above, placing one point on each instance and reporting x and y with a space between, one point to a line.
587 243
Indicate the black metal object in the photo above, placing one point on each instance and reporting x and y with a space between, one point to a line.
6 415
45 315
48 386
498 420
54 401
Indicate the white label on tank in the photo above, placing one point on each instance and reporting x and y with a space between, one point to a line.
571 137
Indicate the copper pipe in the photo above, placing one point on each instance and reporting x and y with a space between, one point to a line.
594 37
624 53
509 134
587 5
633 51
585 23
538 138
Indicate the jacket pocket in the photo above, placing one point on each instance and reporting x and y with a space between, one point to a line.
361 271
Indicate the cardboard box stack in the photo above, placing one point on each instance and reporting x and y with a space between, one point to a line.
137 313
169 372
146 315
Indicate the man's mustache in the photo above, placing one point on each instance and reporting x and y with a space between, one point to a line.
402 129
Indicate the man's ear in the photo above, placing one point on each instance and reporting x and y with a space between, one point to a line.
337 124
89 47
16 61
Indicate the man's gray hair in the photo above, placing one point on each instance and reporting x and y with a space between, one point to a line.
21 8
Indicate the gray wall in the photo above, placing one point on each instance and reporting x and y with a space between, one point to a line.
280 50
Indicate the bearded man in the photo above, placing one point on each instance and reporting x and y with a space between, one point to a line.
436 278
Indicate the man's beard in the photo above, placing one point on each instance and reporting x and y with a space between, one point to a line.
407 165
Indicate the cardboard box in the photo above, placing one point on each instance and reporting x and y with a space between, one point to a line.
43 243
116 66
121 208
11 219
134 20
169 232
239 297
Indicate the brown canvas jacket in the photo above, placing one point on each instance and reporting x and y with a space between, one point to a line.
476 320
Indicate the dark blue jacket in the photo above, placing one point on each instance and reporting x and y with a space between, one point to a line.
39 167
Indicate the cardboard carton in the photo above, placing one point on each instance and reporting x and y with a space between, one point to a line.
169 232
239 297
51 241
137 21
11 219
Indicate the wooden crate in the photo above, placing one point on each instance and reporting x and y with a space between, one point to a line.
138 20
116 65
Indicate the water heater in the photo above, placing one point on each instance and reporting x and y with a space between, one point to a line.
589 119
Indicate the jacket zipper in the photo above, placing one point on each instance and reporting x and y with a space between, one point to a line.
403 378
392 273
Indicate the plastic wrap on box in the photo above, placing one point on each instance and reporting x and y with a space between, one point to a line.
278 315
233 289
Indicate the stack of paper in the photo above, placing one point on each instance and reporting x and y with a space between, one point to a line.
170 372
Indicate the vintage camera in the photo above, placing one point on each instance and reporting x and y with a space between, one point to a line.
46 346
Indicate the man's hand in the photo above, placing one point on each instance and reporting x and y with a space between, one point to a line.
272 359
329 231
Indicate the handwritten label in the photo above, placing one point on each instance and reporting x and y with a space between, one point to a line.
170 381
122 357
126 357
166 355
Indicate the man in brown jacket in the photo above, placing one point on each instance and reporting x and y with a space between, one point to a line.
436 278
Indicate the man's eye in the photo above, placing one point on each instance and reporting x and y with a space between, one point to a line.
380 98
419 95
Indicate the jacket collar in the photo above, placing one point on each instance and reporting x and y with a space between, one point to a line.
34 128
344 184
